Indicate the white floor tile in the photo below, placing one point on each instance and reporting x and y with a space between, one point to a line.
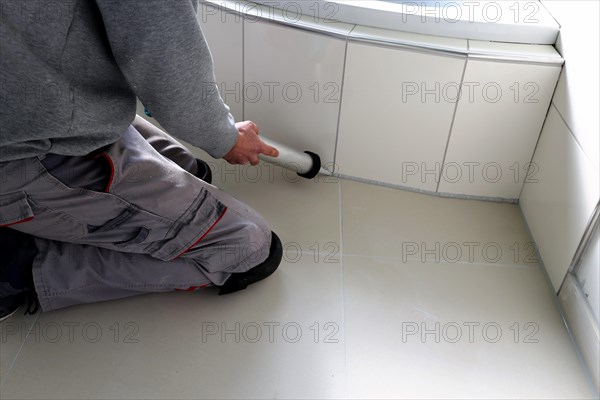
13 332
349 311
389 305
380 221
168 350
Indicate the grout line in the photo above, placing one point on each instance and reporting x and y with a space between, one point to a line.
243 68
20 348
571 333
571 131
539 257
591 229
577 142
321 28
462 79
554 294
337 133
562 70
345 390
442 195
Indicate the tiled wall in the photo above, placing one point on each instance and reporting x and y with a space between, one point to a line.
392 115
294 95
388 131
559 202
224 32
496 127
386 113
558 205
577 93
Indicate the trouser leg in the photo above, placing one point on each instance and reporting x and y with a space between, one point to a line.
67 274
172 231
166 145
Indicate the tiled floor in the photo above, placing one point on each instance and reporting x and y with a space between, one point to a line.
382 294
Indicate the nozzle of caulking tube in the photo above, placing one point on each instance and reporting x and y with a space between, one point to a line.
306 164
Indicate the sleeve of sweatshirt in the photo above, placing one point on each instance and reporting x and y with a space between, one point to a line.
160 48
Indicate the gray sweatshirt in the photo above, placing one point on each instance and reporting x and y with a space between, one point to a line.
70 71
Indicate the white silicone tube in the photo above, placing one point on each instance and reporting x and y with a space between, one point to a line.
306 164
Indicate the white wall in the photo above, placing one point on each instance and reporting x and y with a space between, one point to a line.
559 201
576 96
588 275
224 34
558 206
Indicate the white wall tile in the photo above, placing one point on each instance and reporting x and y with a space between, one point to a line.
577 96
224 34
293 94
497 124
391 130
558 204
583 326
588 275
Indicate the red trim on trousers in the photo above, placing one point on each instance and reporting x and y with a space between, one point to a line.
205 233
194 288
17 222
112 169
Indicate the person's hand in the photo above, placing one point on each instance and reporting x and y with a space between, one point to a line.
248 145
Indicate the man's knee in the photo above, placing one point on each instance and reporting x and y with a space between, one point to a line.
248 249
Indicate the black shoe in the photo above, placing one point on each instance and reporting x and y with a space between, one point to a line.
16 276
204 171
10 305
237 282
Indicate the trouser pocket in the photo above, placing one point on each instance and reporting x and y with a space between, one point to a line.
46 207
149 205
14 209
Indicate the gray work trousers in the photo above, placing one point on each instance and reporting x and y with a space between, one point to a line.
129 218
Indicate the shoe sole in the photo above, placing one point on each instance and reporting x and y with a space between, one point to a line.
10 315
